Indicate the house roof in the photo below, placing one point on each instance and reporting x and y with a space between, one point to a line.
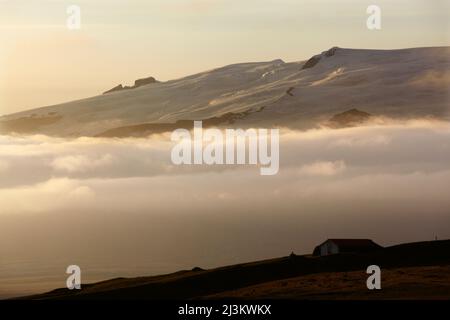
351 245
354 242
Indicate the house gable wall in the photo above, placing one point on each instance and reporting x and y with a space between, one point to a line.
328 247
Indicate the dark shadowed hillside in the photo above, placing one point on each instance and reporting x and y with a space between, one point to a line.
199 283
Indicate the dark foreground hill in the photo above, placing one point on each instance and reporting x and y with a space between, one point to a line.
413 270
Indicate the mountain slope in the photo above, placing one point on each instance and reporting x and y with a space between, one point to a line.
407 83
223 281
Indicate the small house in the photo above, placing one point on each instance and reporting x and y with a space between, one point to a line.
333 246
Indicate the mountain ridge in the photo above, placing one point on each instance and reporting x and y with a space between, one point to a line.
401 83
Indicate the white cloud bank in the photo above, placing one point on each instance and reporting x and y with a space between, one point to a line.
323 168
40 174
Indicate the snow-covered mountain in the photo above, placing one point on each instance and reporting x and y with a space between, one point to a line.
406 83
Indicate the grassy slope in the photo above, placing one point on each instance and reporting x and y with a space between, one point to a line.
204 283
431 282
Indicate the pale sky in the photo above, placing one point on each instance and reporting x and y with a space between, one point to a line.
44 63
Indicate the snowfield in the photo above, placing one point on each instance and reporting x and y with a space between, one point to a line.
404 84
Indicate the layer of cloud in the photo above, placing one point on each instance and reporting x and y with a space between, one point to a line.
323 168
30 168
81 163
